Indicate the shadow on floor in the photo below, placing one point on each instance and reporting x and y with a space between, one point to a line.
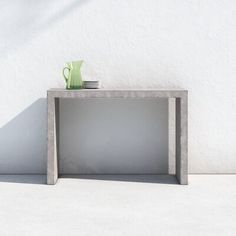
24 179
157 179
42 179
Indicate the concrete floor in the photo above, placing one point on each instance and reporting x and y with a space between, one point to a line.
118 205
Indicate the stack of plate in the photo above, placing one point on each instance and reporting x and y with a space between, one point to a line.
91 84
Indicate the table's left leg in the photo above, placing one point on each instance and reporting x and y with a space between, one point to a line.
52 162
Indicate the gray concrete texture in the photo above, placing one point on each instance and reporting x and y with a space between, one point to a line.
53 122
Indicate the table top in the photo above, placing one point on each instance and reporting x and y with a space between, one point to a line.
113 89
117 93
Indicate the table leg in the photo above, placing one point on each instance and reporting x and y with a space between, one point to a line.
182 139
52 142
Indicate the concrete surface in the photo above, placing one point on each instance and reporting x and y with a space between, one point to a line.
53 123
118 205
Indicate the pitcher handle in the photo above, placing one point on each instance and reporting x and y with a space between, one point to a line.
63 73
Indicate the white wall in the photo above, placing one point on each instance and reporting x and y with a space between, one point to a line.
136 43
113 136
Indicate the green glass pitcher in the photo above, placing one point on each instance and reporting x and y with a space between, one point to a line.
73 78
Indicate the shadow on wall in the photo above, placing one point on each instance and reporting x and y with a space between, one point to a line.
23 141
28 18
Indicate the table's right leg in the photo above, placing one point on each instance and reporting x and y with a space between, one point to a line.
182 139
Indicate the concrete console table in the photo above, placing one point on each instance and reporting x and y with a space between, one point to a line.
181 100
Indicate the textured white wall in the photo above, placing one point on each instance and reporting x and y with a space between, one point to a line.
136 43
113 136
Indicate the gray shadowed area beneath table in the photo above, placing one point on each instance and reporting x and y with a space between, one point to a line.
113 136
